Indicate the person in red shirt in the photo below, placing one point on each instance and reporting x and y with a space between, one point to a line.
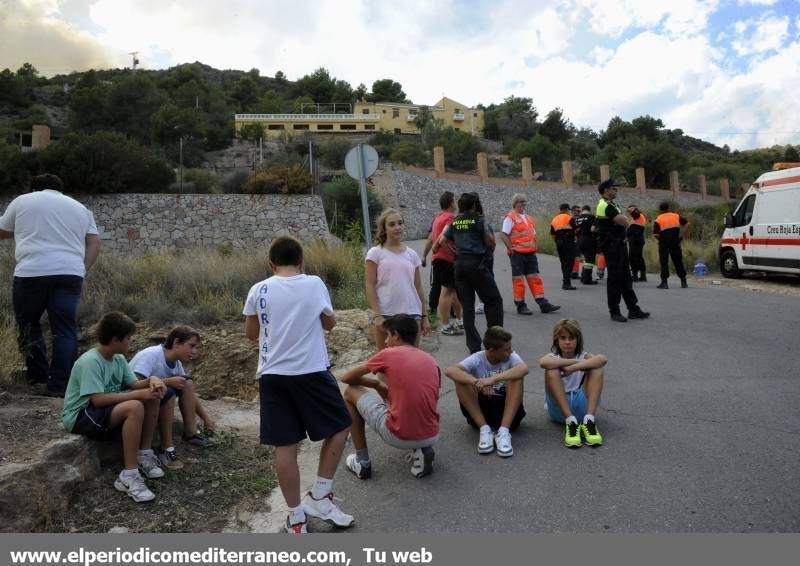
403 409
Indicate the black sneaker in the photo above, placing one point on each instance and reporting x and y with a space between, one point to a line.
684 284
638 313
568 287
617 317
662 285
546 307
522 308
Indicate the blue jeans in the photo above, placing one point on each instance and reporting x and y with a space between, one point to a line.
59 296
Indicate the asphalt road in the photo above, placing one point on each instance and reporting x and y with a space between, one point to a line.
699 414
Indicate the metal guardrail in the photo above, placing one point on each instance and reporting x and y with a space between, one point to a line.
312 117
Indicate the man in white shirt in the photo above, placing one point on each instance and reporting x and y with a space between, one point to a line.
56 243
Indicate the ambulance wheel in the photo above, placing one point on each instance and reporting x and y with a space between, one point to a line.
728 265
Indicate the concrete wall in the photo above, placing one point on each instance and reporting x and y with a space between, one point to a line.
136 223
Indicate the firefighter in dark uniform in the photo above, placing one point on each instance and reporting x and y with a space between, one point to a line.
471 238
611 227
587 243
669 228
562 228
636 243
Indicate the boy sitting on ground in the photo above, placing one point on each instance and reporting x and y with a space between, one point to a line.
403 412
166 363
573 381
489 386
104 398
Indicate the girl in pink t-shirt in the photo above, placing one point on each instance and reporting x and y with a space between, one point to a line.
393 277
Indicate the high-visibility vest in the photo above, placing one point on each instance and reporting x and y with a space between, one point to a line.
562 226
642 220
523 233
668 221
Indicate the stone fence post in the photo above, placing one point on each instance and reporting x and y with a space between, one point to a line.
701 182
724 189
566 173
527 170
605 173
641 183
438 160
483 166
674 183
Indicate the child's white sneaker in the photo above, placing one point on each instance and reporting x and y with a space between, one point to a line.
135 487
150 466
486 442
326 510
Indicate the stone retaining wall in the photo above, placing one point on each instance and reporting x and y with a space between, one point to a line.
137 223
417 196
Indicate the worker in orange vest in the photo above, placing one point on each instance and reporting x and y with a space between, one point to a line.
519 236
669 228
562 228
636 235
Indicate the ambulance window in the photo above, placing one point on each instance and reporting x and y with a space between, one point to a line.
745 212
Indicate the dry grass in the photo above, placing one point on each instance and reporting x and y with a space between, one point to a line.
200 287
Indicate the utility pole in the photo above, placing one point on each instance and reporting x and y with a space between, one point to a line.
181 164
135 60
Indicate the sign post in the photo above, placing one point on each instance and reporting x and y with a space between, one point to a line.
361 162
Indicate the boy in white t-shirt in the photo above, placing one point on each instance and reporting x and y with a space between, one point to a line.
287 313
165 361
489 386
573 381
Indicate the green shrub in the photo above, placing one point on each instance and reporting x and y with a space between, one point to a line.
333 152
233 182
409 153
384 142
293 180
203 181
342 201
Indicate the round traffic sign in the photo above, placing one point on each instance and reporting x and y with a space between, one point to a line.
370 160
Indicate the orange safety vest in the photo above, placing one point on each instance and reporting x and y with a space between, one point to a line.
523 233
642 220
668 221
561 223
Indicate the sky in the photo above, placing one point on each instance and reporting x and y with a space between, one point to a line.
726 71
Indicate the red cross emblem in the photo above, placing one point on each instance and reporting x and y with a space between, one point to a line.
743 241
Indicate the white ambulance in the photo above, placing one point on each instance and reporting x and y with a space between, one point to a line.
763 233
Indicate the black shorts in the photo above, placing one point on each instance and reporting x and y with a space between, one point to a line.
293 406
93 422
172 392
492 409
444 273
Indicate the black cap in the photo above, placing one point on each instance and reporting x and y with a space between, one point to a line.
607 184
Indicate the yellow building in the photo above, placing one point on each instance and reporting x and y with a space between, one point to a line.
367 117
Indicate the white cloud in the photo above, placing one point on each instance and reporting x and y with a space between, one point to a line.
757 36
613 17
758 2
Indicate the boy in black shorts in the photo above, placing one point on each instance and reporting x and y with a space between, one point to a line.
489 386
104 398
287 314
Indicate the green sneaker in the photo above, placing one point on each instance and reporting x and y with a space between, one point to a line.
572 436
591 435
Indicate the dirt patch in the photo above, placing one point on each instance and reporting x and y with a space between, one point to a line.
27 422
199 498
787 285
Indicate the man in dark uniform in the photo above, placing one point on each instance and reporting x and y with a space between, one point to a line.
611 228
636 243
562 228
669 228
587 243
472 238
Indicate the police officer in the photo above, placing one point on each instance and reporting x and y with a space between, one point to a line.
669 228
611 227
562 228
587 243
471 238
636 243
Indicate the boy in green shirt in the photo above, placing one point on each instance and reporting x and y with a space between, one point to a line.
104 398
